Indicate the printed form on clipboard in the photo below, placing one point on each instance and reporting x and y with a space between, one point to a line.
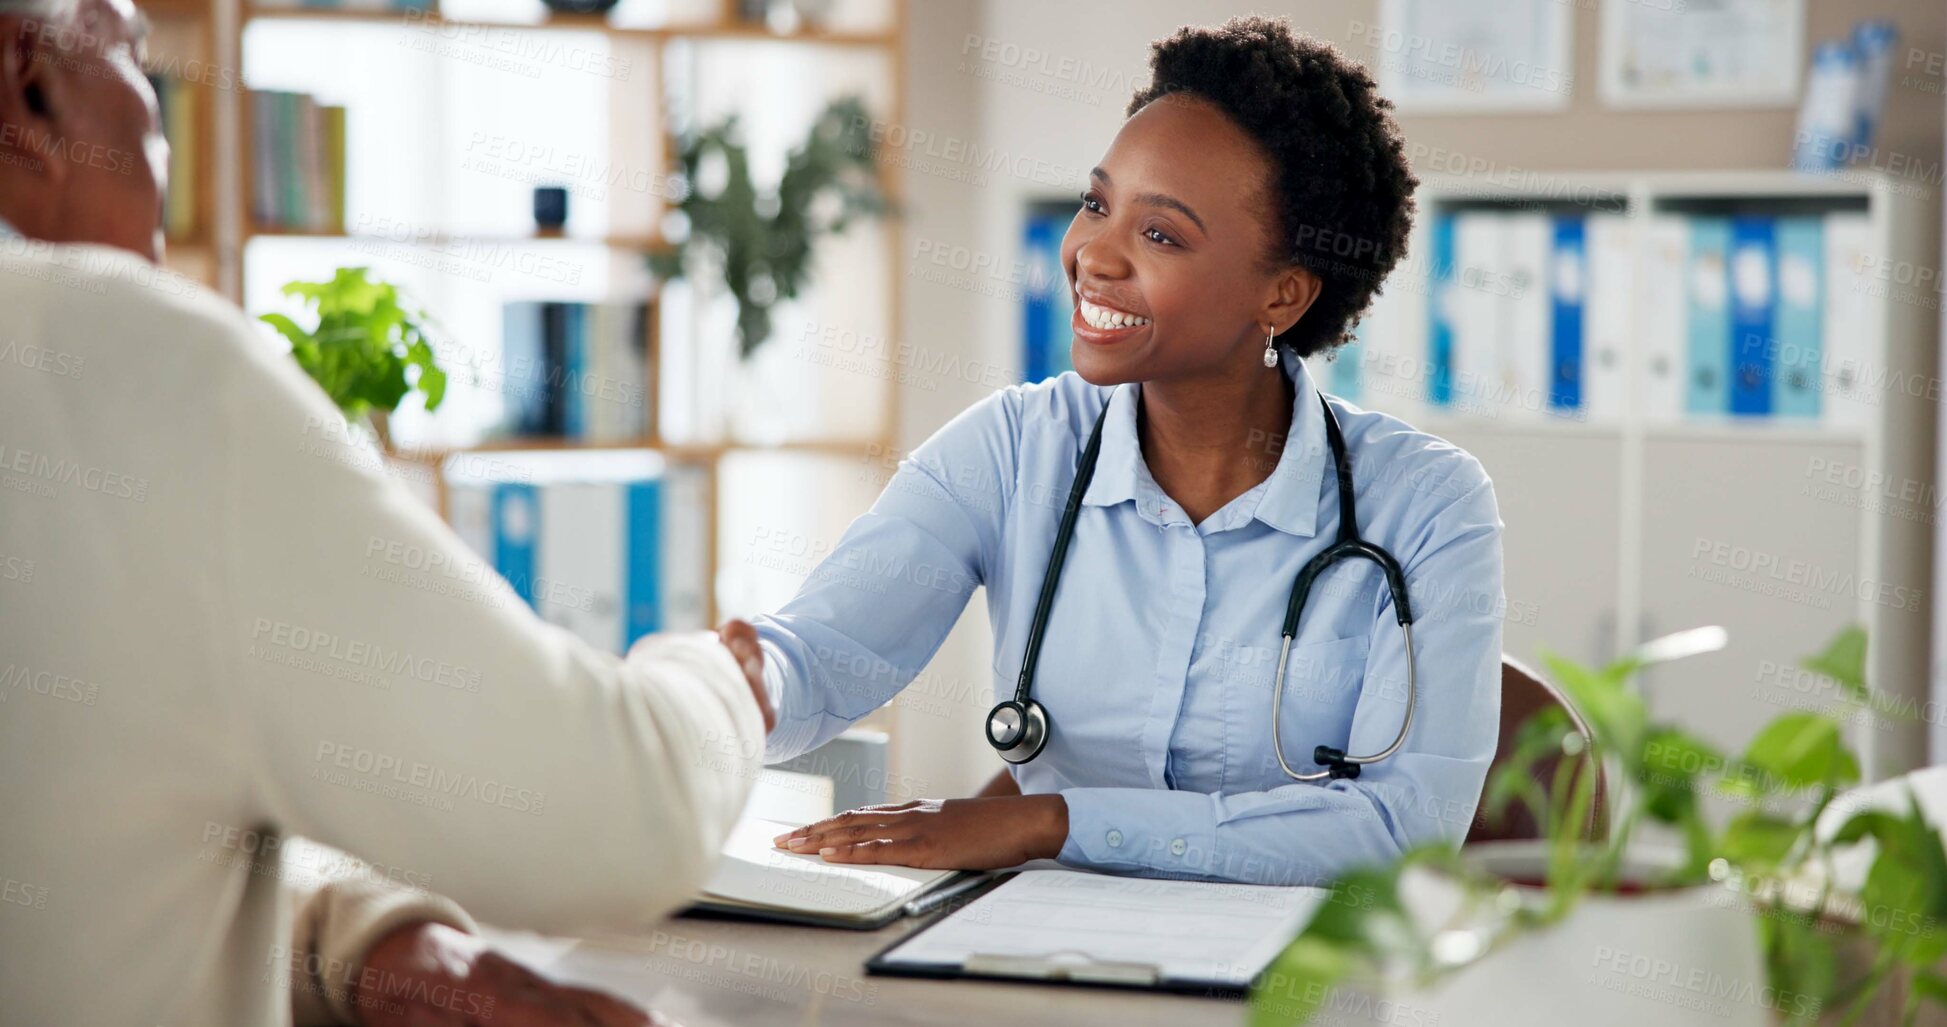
1083 928
758 880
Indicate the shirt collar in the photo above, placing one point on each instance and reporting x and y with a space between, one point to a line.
7 230
1287 500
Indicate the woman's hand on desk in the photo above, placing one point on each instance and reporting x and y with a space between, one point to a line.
954 834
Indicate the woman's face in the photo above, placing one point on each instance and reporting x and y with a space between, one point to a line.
1172 230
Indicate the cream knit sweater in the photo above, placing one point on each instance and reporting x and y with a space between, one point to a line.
222 627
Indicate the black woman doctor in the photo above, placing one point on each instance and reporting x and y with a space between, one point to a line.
1242 218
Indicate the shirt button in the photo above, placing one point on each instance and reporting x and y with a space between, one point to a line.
1178 846
1115 839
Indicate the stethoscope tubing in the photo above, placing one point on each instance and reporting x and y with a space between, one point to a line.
1026 722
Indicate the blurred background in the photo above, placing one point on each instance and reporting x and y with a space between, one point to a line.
699 272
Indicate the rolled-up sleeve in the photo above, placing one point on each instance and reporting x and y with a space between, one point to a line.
1426 793
874 611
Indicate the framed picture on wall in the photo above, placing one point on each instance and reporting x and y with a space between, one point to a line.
1472 56
1702 53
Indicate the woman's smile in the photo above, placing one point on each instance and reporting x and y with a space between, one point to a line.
1103 325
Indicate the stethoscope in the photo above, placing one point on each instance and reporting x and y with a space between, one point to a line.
1019 728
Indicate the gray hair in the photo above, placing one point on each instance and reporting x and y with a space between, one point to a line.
42 10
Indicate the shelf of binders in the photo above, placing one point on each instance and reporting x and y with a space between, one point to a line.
1720 305
608 543
609 546
1703 398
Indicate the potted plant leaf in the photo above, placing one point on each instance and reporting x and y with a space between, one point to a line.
366 350
760 242
1737 923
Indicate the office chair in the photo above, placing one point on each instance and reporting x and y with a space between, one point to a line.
1523 694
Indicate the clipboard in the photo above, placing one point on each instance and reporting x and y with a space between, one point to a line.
1068 967
1020 970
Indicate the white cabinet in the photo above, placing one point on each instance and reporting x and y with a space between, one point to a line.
1558 562
1730 538
1645 519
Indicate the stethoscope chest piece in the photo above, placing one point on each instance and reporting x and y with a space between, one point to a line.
1018 730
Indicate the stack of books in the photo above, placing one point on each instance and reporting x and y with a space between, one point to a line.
576 370
297 163
182 117
1747 316
610 546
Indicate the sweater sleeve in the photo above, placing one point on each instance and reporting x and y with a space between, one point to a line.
398 701
340 912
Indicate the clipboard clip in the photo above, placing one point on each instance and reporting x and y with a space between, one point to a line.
1062 966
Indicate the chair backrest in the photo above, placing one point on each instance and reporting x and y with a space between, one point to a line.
1523 694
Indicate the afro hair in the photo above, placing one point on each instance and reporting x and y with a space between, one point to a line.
1341 190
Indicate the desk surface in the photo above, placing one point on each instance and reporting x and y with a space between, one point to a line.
718 973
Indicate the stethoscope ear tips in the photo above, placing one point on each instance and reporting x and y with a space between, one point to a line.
1018 730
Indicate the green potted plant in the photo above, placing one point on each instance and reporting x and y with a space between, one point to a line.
366 350
760 242
1739 923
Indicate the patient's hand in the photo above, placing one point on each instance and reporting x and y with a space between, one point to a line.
427 973
955 834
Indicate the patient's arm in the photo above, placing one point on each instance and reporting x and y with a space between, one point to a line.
1002 784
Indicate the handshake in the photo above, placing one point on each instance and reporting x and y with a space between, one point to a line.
741 639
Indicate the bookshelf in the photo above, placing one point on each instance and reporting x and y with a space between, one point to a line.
227 251
726 28
184 50
1630 525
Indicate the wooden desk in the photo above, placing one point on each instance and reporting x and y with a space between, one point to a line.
718 973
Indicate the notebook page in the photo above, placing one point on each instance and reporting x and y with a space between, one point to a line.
755 871
1189 930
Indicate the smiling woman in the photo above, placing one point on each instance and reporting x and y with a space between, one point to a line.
1243 217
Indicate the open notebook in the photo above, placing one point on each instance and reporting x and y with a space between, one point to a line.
756 879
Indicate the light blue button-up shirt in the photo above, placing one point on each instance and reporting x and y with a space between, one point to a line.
6 230
1160 651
